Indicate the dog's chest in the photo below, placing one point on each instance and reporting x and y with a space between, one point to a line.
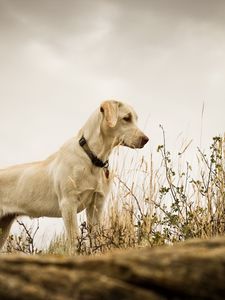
86 181
91 188
98 182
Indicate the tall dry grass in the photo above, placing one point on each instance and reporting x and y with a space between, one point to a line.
151 206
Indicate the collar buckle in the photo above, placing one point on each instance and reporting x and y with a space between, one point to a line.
82 141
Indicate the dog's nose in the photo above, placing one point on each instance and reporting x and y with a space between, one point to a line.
144 140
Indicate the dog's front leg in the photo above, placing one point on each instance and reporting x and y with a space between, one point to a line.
68 208
94 212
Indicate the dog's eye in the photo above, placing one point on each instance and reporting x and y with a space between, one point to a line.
127 118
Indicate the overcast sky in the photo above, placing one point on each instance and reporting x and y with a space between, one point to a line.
60 59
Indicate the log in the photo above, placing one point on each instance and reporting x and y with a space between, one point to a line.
189 270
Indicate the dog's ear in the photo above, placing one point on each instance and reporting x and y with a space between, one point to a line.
110 111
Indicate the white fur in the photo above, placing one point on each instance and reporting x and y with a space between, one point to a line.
67 182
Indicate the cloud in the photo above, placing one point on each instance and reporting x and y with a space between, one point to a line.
116 28
50 21
130 23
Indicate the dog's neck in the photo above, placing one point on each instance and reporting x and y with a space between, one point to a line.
99 143
95 160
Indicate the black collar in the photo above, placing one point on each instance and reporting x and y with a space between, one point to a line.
95 160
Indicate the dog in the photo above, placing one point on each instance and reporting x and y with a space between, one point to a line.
75 178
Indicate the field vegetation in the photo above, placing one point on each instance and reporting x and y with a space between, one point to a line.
149 207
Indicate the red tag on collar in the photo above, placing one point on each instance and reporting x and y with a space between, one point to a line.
106 173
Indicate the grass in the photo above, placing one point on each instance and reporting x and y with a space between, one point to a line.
149 207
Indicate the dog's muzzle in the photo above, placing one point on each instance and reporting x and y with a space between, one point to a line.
139 144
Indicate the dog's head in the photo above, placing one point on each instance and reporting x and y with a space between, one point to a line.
119 121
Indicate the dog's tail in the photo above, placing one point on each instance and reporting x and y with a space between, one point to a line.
5 225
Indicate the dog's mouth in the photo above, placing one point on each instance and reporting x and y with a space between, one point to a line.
138 145
126 145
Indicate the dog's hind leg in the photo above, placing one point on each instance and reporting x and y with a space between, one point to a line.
5 225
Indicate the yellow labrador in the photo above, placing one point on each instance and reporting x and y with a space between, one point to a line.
74 178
